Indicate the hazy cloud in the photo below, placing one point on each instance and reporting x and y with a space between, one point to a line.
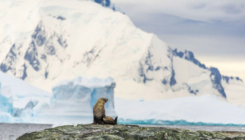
201 10
233 9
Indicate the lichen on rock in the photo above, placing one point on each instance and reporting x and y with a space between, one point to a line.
127 132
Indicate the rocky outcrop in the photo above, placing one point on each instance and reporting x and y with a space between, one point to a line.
127 132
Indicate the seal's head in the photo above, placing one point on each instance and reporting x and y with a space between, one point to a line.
102 101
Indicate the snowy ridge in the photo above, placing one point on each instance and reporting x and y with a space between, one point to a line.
52 41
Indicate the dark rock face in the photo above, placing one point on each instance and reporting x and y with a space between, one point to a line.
172 79
61 18
24 75
127 132
189 56
105 3
32 56
143 74
227 79
216 80
10 60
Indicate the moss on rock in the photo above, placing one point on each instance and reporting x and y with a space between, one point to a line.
127 132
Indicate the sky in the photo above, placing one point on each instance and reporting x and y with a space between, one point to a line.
214 30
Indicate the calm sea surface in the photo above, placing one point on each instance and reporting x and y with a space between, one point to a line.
12 131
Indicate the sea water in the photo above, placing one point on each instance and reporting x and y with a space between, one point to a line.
13 131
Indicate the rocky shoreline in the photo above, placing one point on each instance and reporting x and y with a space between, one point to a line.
127 132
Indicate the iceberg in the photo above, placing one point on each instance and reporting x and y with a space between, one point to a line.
72 101
17 98
6 105
84 91
202 110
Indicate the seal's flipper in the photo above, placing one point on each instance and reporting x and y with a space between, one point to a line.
115 122
110 120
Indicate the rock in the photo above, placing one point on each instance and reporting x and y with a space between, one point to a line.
126 132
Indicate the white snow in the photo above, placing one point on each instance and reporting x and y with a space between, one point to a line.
235 92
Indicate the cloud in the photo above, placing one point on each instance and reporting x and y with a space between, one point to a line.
200 10
233 9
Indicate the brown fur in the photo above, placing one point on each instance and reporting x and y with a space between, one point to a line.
99 111
110 120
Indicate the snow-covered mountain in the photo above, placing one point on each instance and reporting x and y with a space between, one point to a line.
44 42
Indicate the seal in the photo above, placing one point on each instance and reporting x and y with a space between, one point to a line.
110 120
99 111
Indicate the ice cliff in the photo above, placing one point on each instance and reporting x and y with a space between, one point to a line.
77 97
